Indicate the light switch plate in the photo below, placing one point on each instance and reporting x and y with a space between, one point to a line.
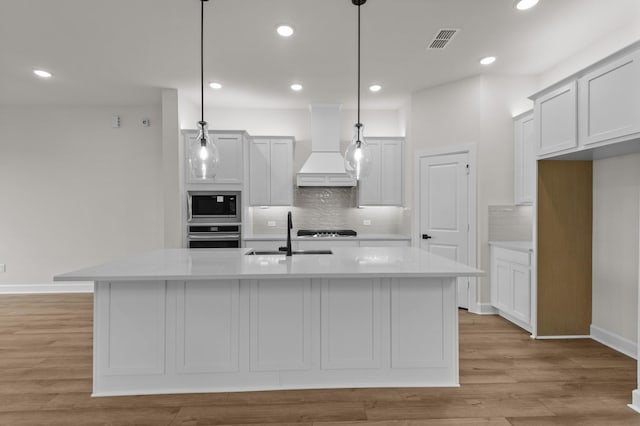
3 267
366 222
271 223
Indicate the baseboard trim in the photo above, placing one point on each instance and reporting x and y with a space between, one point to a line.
614 341
576 336
80 287
635 400
484 309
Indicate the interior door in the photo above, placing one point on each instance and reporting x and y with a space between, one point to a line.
444 211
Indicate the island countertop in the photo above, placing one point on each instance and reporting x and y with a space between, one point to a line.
202 264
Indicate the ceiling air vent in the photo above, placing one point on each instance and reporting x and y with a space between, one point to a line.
441 39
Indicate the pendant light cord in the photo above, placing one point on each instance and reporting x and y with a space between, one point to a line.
202 60
359 69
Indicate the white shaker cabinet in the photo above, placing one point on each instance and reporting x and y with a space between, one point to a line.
525 158
609 101
511 285
383 187
230 148
271 171
555 117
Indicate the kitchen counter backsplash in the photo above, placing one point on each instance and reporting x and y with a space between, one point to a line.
510 223
330 208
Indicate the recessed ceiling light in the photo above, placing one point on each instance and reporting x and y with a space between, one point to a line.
375 88
525 4
296 87
215 85
285 30
42 73
488 60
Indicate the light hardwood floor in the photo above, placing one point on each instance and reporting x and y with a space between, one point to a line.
506 379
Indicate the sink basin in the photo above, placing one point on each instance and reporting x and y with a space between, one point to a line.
294 252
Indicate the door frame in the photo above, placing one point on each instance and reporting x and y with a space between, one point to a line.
471 150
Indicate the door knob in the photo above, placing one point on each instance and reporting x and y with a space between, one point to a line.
426 236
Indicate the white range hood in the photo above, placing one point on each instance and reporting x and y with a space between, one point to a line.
325 165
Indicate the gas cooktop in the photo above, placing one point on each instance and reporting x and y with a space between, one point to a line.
324 233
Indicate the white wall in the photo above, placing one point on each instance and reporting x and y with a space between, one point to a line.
616 40
76 192
476 110
616 185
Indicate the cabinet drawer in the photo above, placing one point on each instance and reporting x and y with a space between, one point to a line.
514 256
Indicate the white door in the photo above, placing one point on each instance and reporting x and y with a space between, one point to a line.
444 211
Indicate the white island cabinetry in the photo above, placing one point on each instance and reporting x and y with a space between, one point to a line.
181 321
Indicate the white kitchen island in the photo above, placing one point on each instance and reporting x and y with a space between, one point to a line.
181 321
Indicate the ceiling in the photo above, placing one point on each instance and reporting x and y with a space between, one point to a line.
121 52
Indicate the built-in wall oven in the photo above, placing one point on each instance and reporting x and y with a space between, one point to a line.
214 219
204 235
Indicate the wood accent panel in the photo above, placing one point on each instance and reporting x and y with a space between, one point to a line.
506 378
565 210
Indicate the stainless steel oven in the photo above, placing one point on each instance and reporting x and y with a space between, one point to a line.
213 207
211 235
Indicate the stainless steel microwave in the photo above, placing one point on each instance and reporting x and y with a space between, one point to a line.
214 206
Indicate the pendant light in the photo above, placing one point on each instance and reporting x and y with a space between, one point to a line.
204 159
357 158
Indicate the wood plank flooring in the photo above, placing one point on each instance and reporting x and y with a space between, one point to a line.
506 379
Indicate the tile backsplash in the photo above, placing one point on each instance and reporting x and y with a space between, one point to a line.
329 208
510 223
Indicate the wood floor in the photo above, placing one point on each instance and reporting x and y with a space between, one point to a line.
506 379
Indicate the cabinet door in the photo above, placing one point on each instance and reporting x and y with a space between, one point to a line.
556 120
369 186
525 160
610 101
391 173
230 148
504 285
521 279
281 172
259 174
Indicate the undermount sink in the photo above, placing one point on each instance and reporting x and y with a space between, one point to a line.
294 252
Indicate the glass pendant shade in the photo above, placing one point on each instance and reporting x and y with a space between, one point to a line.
357 157
204 157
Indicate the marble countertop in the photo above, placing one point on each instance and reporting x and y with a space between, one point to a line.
282 237
353 262
514 245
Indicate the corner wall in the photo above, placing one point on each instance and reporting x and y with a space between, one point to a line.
616 189
75 191
476 110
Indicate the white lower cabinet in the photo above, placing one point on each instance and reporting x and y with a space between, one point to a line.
511 285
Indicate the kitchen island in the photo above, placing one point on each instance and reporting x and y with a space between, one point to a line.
215 320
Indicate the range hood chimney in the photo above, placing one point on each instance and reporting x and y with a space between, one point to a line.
325 165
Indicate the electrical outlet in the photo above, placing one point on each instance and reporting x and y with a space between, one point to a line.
271 223
3 267
366 222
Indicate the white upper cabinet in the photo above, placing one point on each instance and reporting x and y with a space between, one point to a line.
610 101
383 187
592 114
556 120
525 159
230 148
271 171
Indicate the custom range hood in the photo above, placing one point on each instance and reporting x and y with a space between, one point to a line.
325 165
